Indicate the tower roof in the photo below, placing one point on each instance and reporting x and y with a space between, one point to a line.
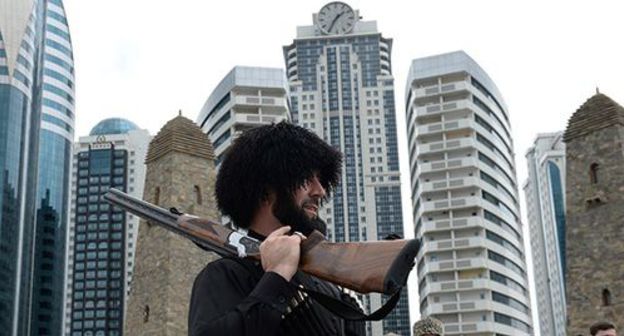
183 136
596 113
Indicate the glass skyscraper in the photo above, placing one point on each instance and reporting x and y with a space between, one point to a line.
102 238
472 267
545 199
341 88
36 132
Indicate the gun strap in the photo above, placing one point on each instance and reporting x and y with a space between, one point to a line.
348 312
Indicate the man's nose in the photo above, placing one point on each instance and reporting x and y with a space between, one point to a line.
316 188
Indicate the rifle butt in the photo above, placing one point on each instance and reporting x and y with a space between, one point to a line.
380 266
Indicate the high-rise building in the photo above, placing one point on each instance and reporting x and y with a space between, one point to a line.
472 268
341 87
102 239
594 214
544 191
246 97
36 134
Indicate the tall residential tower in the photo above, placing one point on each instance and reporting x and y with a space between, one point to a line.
545 199
341 88
472 269
102 240
36 134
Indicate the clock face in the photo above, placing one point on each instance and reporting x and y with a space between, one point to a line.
336 18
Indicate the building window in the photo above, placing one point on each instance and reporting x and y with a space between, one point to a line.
157 196
593 173
606 297
197 192
146 312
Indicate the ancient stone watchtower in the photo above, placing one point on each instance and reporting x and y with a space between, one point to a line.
595 215
180 173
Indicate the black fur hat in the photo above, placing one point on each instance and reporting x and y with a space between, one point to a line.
279 158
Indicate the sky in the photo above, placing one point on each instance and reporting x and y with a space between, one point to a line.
145 60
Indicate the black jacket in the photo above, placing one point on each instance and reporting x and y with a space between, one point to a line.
236 297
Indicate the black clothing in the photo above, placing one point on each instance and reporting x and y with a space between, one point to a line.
236 297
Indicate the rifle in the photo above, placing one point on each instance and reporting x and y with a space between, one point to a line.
365 267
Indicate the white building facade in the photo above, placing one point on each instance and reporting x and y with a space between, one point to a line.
102 238
341 87
544 191
472 269
245 98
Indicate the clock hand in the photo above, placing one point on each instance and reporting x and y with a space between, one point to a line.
334 21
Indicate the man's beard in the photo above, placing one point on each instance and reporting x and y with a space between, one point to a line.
294 216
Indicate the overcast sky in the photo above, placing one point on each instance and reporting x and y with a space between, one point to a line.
144 60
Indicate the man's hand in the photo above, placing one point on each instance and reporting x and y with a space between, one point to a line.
280 253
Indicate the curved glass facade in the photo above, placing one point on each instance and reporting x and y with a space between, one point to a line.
36 132
113 126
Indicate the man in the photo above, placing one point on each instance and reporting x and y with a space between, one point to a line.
272 182
428 326
602 329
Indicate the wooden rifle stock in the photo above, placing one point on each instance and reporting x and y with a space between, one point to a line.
377 266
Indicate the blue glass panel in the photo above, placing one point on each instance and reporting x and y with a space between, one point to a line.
56 121
558 198
59 47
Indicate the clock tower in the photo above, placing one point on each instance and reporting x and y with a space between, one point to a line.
342 88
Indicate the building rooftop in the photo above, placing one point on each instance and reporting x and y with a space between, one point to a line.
596 113
113 126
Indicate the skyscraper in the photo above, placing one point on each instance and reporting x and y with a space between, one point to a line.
471 270
341 88
102 239
246 97
545 197
36 134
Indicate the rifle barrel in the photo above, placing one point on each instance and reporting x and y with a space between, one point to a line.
160 216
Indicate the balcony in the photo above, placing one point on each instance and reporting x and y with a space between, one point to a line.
451 265
244 100
441 108
439 146
433 90
455 285
456 307
428 167
448 184
254 119
444 126
481 327
443 225
445 204
452 244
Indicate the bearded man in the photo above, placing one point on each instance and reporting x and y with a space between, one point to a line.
272 182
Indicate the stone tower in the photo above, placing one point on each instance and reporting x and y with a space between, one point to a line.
595 215
180 173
